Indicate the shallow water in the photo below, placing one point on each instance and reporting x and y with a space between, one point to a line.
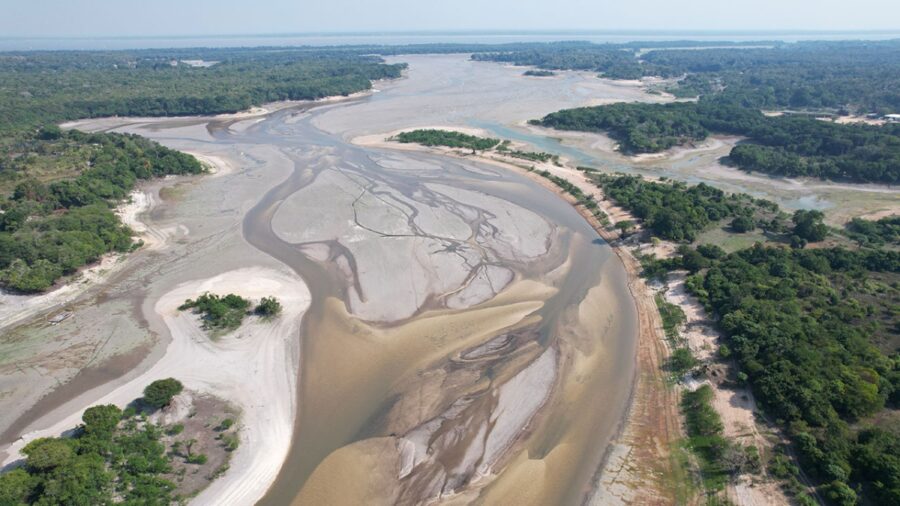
469 333
366 381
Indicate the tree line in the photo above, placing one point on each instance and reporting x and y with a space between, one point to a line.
784 145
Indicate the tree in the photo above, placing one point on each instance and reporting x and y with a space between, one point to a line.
840 493
160 393
808 225
101 420
743 224
624 226
15 487
47 453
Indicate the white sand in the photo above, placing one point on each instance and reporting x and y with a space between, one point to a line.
216 165
254 368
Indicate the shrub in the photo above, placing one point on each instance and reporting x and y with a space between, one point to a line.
682 360
268 307
160 393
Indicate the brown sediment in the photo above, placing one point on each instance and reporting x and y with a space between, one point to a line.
86 379
646 471
653 425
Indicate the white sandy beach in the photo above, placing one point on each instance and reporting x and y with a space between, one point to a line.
254 368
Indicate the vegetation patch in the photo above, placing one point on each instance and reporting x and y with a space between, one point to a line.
113 457
875 233
446 138
786 145
539 73
803 326
224 313
680 212
672 316
51 227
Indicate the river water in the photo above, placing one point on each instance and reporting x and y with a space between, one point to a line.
443 395
470 338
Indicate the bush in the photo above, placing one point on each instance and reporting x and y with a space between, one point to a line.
682 360
219 312
198 459
743 224
268 307
160 393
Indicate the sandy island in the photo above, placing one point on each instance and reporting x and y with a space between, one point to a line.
254 368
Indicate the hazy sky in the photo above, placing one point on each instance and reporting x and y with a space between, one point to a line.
27 18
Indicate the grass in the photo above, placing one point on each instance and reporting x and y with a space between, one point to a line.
705 439
672 317
729 241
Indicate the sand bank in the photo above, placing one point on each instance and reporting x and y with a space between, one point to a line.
253 368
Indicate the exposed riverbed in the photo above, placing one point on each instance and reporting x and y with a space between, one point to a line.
468 336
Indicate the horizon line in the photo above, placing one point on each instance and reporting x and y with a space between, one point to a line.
573 31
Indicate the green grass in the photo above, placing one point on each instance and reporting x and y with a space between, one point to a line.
729 241
672 316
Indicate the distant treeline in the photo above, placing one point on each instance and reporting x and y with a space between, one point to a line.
48 87
784 145
856 76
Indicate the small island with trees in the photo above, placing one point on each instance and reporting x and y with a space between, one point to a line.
447 138
539 73
221 314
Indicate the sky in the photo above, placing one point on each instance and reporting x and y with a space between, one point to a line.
105 18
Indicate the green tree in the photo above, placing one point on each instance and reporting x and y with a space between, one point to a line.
808 225
624 226
47 453
160 393
742 224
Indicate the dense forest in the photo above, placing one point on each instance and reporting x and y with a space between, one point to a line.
783 145
840 76
38 88
815 332
50 228
676 211
875 233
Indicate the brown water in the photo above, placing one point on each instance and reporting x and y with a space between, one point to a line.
366 388
510 393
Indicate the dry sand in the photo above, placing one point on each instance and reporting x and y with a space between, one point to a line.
254 368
